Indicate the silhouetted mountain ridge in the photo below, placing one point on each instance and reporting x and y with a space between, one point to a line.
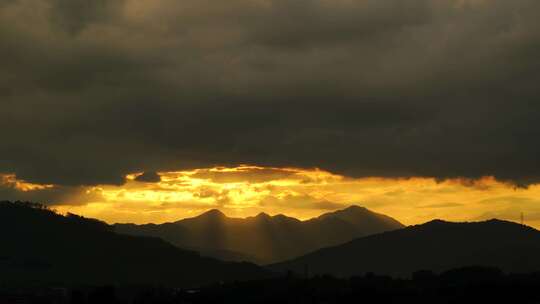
42 247
212 214
264 238
436 245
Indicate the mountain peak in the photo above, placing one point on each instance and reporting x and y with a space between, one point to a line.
266 238
437 222
498 221
363 219
282 217
495 226
355 208
350 211
263 215
213 213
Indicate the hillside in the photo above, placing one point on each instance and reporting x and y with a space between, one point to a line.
436 245
41 247
263 238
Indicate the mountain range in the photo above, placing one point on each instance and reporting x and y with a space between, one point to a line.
264 239
42 247
435 246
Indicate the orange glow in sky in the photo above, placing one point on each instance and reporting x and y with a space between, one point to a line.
303 193
11 179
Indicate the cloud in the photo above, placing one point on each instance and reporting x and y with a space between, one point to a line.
74 16
93 90
148 177
441 205
13 190
183 194
515 200
244 174
299 201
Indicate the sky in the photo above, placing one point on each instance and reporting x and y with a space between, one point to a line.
245 190
418 109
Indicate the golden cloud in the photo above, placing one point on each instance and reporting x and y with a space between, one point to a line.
11 181
303 193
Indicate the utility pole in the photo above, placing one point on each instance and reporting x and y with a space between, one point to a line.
522 219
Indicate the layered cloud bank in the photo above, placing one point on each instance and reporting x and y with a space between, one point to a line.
91 91
248 190
405 106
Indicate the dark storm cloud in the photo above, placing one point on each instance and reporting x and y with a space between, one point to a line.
74 16
92 90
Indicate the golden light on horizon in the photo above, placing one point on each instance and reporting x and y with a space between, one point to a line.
21 185
303 193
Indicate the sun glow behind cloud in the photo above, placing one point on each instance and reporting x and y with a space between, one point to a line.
303 193
21 185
